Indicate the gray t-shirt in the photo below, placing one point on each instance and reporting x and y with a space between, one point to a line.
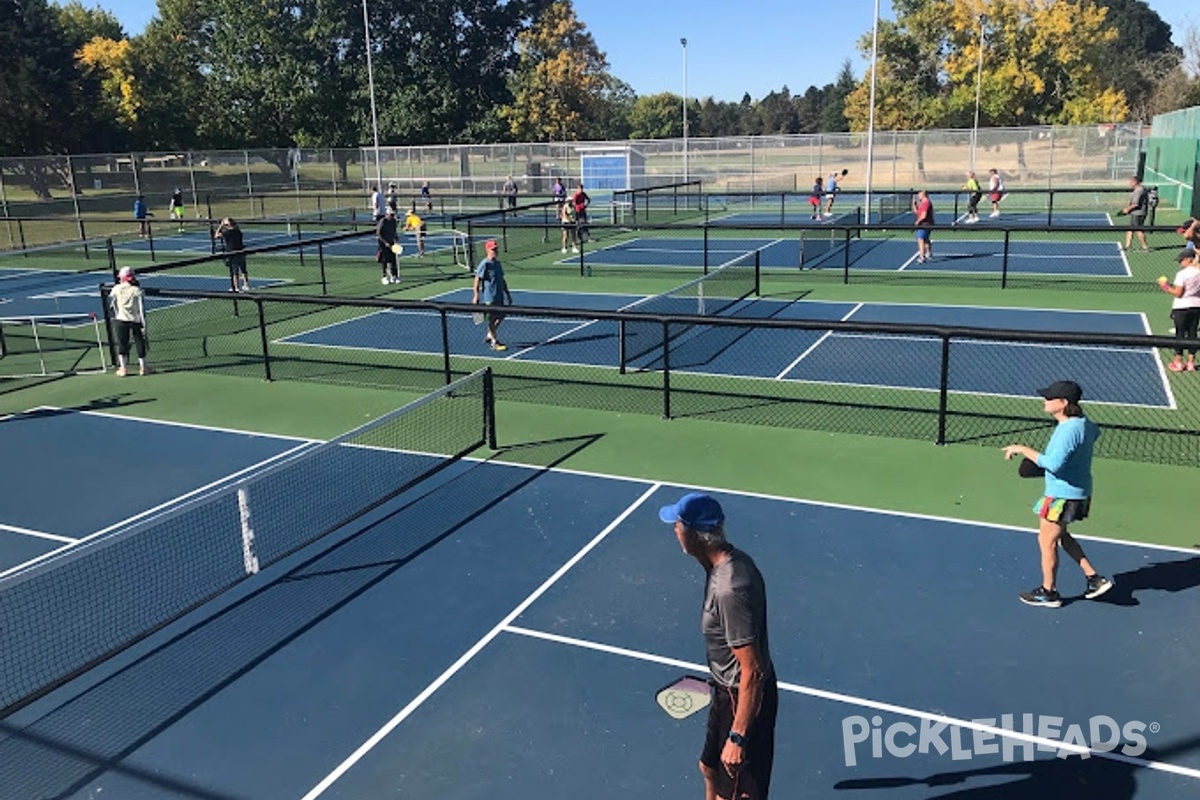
735 614
1137 199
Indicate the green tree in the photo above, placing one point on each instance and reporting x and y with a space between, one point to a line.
39 93
777 114
560 79
1041 65
657 116
1141 57
168 60
833 111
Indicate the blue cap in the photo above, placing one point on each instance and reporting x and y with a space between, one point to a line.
695 510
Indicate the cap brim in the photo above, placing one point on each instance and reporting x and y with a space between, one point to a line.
669 514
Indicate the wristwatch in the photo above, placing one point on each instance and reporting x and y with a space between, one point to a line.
737 738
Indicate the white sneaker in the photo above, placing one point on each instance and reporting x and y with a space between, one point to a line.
385 280
994 214
564 249
574 249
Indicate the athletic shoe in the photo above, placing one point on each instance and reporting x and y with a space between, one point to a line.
122 372
498 347
384 280
564 249
1041 597
145 371
574 249
1097 585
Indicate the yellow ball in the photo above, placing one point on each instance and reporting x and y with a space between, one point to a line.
1162 278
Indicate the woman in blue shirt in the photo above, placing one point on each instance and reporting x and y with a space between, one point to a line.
1067 466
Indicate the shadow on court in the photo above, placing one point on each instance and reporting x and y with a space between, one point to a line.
1161 576
1096 778
90 735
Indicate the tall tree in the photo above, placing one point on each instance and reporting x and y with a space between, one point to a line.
833 112
1041 65
560 79
657 116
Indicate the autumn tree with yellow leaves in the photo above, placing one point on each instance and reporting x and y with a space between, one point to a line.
1042 64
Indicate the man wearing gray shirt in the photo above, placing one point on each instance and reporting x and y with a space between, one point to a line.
740 743
1137 208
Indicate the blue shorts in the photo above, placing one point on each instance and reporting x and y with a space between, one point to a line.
923 234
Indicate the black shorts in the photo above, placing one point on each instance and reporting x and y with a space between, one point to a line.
760 739
236 264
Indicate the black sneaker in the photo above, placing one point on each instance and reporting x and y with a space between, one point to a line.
1041 597
1097 585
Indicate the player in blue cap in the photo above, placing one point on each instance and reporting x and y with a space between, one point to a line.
739 746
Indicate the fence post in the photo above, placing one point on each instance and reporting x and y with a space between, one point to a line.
321 261
108 333
846 258
1050 202
112 258
300 241
262 331
666 359
1004 260
83 238
758 273
445 346
706 245
943 390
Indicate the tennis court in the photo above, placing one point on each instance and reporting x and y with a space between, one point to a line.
1113 375
198 242
48 293
501 631
827 249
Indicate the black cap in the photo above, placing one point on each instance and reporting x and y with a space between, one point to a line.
1186 254
1063 390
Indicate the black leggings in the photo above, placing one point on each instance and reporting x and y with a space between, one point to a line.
124 329
973 202
1186 322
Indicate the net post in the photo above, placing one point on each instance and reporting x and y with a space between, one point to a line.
112 258
150 239
489 409
21 233
1004 260
442 315
1050 207
666 360
321 263
955 217
208 205
943 390
582 262
783 208
262 332
212 238
621 346
706 245
846 258
758 273
300 241
83 238
108 327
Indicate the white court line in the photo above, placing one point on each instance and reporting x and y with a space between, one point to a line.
39 534
474 650
911 259
822 338
876 705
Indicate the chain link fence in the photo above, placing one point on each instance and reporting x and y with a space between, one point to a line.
71 185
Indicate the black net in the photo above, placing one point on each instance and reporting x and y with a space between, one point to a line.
710 295
70 612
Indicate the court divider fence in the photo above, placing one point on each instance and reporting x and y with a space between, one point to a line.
1002 255
945 385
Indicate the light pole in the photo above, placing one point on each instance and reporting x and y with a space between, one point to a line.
683 42
371 85
871 115
978 92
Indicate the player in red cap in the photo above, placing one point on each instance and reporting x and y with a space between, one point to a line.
491 289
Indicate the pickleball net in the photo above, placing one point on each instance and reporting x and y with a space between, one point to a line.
73 610
710 295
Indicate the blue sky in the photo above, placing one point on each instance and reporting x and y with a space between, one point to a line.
755 48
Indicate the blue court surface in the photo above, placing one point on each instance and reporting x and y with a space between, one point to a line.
827 249
197 242
46 293
501 632
1112 375
944 211
71 454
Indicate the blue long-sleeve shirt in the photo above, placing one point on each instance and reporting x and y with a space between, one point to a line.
1068 459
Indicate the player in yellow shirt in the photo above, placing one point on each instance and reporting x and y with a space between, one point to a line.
417 225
